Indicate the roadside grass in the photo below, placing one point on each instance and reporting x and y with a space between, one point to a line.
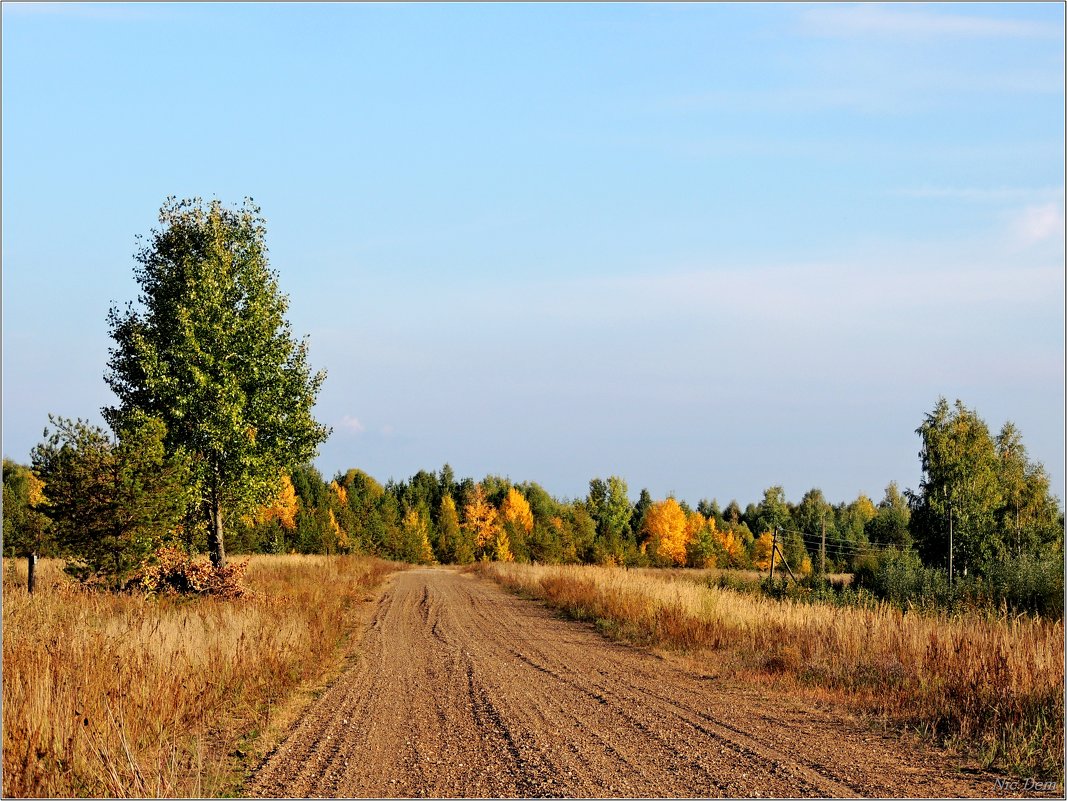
122 695
992 685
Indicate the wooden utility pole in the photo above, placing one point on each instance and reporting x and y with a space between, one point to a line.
788 569
950 542
774 547
31 567
822 550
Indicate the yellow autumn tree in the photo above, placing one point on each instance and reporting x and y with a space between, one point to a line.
702 541
340 536
34 491
284 506
501 547
516 510
731 543
417 538
666 527
482 521
761 551
694 521
340 491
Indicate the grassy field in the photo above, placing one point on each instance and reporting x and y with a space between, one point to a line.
992 685
121 695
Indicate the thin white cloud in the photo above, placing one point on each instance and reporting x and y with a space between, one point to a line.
352 424
984 194
834 291
1039 223
912 22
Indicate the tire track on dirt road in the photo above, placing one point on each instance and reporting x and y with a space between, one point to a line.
460 689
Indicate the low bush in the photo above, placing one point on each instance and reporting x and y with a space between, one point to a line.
172 571
1028 584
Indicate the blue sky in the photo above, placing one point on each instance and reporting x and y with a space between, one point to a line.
709 248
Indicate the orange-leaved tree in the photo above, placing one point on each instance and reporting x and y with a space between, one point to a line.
416 530
482 521
284 506
517 522
761 551
666 527
454 543
516 510
732 546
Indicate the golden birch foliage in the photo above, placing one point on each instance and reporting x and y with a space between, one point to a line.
694 521
481 520
283 508
340 535
516 509
666 525
35 491
865 508
417 527
501 550
732 544
341 492
761 551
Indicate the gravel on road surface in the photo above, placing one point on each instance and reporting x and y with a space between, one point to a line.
460 689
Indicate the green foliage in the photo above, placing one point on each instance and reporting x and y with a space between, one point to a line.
997 502
640 512
495 489
27 529
1031 584
772 512
455 545
710 510
813 513
796 554
578 534
609 506
705 550
889 526
112 503
211 354
959 480
1029 516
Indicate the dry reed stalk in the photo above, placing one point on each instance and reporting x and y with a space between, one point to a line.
122 695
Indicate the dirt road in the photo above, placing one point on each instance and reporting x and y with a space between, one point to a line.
463 690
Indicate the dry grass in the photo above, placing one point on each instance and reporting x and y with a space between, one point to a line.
121 695
995 686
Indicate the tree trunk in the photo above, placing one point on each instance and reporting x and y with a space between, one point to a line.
215 543
31 571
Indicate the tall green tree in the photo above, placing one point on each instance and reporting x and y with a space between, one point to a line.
210 353
813 516
889 526
640 511
812 513
112 502
959 488
773 511
609 505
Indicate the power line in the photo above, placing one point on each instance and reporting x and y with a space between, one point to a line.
837 543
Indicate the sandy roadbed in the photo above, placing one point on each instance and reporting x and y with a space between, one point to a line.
462 690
